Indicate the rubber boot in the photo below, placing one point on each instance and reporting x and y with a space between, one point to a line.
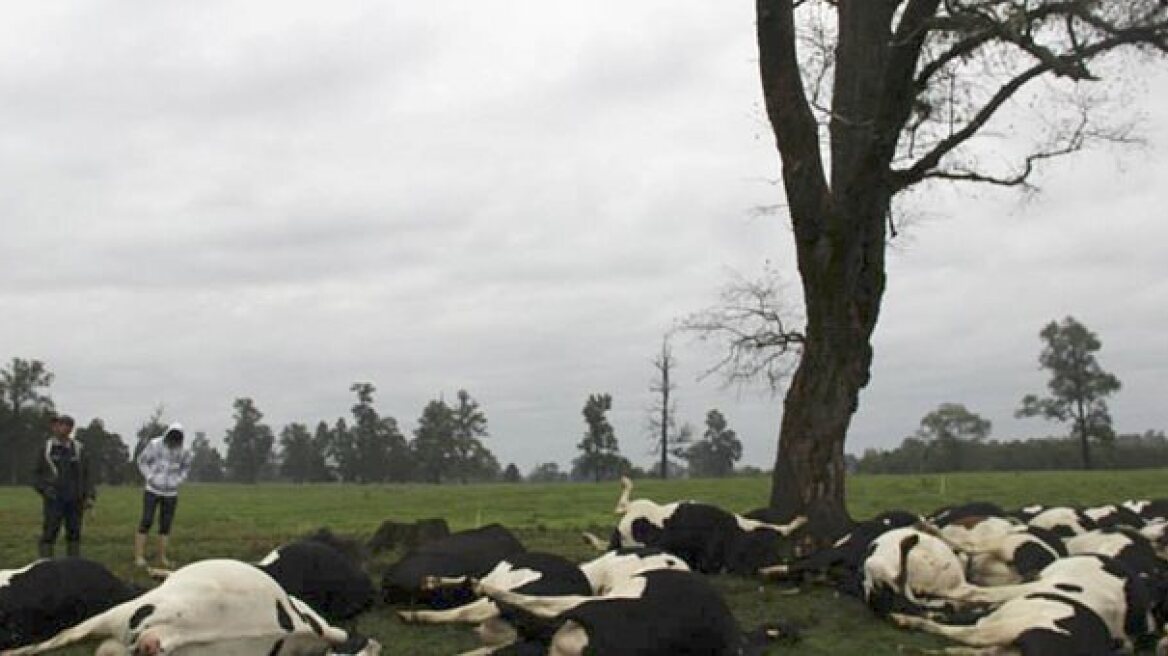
73 549
140 549
163 541
45 549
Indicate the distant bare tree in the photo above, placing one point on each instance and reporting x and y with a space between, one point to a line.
667 438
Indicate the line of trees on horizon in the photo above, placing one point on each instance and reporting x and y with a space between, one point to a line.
447 446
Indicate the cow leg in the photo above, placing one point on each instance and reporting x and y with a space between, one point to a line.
111 647
993 595
496 632
774 571
106 625
435 582
747 524
569 640
964 651
990 631
479 610
481 651
595 542
622 503
330 634
545 607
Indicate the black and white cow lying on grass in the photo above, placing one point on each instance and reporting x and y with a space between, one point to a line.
654 613
539 574
48 596
470 553
708 538
999 551
1035 625
1149 510
908 570
1110 589
531 572
210 608
843 560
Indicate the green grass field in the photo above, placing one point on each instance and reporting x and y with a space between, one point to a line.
245 522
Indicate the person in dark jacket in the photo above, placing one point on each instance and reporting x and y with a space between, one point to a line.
62 479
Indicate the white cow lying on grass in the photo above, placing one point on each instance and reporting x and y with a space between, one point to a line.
210 608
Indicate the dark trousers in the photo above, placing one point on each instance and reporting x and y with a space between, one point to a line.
163 506
59 511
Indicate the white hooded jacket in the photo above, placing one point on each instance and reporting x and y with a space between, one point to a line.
164 468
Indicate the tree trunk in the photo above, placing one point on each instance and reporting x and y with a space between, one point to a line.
843 278
1084 447
839 230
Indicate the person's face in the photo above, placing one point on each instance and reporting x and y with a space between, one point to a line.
61 429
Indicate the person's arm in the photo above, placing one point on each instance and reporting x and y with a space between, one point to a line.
42 477
88 485
184 467
146 460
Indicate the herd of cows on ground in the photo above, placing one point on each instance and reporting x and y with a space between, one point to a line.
1035 581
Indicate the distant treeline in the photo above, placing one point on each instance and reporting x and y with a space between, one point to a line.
1146 451
448 445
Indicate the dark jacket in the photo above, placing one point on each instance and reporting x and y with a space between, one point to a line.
62 471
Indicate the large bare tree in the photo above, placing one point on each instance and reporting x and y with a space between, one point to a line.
869 98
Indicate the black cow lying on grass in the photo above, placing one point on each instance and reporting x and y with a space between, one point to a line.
210 608
470 553
708 538
321 575
42 599
654 613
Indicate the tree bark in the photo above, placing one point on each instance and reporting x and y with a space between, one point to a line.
844 283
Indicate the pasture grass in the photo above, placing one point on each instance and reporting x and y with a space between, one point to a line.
245 522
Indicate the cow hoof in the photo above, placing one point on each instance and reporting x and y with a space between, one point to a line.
903 621
406 616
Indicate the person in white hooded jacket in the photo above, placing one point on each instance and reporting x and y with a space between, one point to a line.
164 464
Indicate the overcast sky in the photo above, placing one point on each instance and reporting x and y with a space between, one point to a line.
274 200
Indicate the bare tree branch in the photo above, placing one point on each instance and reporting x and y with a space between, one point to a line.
929 162
749 322
796 130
